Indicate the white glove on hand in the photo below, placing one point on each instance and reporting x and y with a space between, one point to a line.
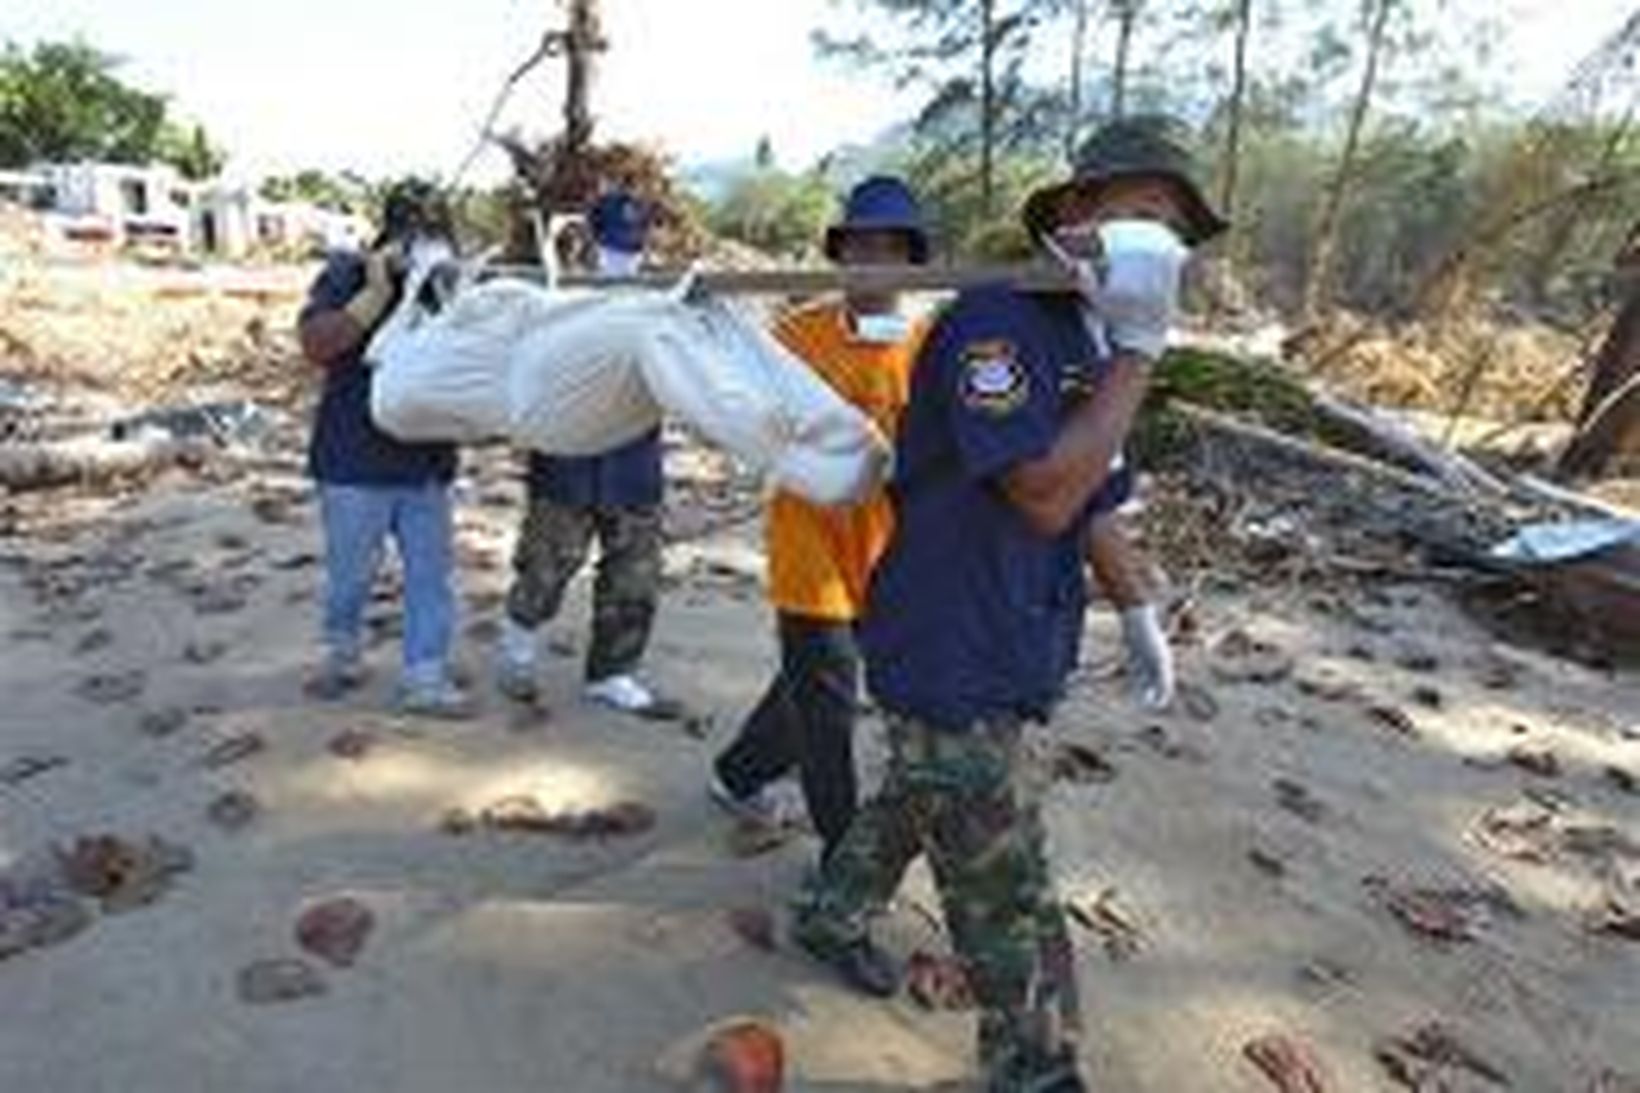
1149 657
1138 294
1132 285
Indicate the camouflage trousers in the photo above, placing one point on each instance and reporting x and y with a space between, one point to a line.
971 802
555 543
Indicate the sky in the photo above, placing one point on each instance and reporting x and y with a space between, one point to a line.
389 86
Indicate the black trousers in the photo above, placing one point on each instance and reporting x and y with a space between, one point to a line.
805 720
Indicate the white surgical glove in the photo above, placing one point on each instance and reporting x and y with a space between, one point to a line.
1149 657
1131 283
1138 291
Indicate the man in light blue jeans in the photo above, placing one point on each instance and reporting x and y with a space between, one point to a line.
358 522
373 487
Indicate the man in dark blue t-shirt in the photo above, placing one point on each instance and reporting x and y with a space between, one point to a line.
614 498
1020 404
371 486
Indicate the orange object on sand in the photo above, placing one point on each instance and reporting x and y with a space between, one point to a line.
745 1057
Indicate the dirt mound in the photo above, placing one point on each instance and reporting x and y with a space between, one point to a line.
1502 372
148 336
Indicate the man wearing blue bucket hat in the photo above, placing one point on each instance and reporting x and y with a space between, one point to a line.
1019 405
614 498
820 559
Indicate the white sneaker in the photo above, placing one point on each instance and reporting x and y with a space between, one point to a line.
621 692
442 698
768 806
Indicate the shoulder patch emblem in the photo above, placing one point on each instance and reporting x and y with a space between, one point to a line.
993 381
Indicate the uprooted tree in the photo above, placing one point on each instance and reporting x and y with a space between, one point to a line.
1608 425
564 173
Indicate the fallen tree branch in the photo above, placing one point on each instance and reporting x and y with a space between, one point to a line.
1397 441
1313 452
92 460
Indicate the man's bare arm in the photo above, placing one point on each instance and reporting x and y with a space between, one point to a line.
1050 492
330 334
1120 568
326 336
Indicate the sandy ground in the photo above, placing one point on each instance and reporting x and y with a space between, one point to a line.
504 962
1244 867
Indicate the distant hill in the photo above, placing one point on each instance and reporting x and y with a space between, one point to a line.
710 180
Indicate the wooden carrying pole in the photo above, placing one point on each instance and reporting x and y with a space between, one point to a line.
814 282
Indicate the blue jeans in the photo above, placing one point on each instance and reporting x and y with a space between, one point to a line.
358 521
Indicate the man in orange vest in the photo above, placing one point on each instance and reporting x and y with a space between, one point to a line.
820 559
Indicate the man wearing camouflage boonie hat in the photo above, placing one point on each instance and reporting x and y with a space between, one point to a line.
1019 405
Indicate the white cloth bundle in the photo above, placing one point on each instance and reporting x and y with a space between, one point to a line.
579 374
444 377
747 393
575 384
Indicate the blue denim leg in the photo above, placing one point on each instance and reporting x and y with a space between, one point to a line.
356 523
423 529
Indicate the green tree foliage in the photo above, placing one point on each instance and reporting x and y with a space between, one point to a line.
776 211
64 101
343 192
190 150
970 57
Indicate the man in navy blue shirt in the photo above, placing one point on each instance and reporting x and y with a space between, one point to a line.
1020 404
614 498
371 486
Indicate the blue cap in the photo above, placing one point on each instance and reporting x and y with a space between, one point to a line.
881 203
619 221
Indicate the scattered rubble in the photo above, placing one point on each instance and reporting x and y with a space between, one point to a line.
1394 719
28 767
1290 1065
123 873
753 925
1116 928
1538 759
526 814
107 689
335 930
1241 658
1430 1057
162 722
1443 914
353 744
233 810
1081 764
232 749
266 982
1296 798
938 982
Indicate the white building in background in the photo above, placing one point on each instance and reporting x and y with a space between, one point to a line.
120 204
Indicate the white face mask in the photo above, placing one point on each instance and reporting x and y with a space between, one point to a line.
883 328
618 263
427 251
1149 238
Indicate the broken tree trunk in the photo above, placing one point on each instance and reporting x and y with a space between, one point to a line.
583 43
1234 110
1316 280
92 461
1609 423
1127 13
